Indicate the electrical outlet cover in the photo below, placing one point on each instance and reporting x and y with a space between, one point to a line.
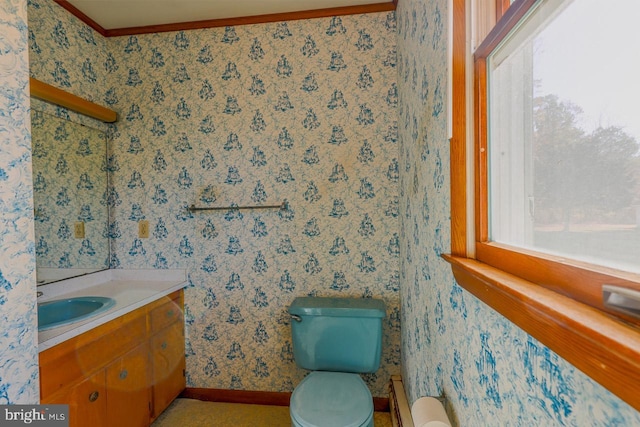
143 229
78 230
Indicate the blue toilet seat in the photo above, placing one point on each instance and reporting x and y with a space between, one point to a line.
331 399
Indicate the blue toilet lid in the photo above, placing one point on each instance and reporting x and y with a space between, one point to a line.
331 399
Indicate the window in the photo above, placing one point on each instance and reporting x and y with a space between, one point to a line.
559 152
564 164
551 217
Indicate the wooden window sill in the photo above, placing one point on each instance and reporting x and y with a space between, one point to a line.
604 348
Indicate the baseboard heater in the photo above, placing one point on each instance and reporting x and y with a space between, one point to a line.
398 404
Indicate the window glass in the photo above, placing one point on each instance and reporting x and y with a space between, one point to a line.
564 133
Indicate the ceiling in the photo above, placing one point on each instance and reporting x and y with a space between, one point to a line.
119 14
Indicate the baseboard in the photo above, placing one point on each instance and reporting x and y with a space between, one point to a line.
238 396
381 404
399 404
275 398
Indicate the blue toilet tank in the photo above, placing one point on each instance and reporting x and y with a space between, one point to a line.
337 334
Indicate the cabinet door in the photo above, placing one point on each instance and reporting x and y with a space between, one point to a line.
87 401
167 349
128 391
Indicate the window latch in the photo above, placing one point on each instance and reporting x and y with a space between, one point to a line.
621 299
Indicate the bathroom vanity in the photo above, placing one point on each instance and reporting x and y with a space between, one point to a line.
124 366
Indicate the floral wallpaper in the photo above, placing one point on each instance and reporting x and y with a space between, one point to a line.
347 130
491 372
18 336
69 183
300 115
70 169
294 113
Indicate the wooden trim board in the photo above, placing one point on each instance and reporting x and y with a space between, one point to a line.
226 22
275 398
52 94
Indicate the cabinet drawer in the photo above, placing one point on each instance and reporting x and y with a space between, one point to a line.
166 314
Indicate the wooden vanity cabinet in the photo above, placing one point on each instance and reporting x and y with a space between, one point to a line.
167 351
123 373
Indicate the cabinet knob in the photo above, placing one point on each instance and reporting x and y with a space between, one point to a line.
170 313
123 374
163 345
94 396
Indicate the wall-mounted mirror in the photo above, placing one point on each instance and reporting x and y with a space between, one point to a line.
69 182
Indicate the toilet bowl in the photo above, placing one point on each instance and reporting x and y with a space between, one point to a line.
331 399
337 339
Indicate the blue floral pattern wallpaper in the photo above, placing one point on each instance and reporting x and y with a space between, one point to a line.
491 372
69 166
295 113
69 184
343 122
300 115
18 335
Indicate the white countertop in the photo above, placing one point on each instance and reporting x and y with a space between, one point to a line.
131 289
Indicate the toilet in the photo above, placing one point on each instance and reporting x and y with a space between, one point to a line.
337 339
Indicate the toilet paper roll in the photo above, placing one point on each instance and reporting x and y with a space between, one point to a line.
429 412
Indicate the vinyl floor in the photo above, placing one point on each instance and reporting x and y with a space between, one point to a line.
196 413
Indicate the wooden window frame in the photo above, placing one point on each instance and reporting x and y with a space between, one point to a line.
535 291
